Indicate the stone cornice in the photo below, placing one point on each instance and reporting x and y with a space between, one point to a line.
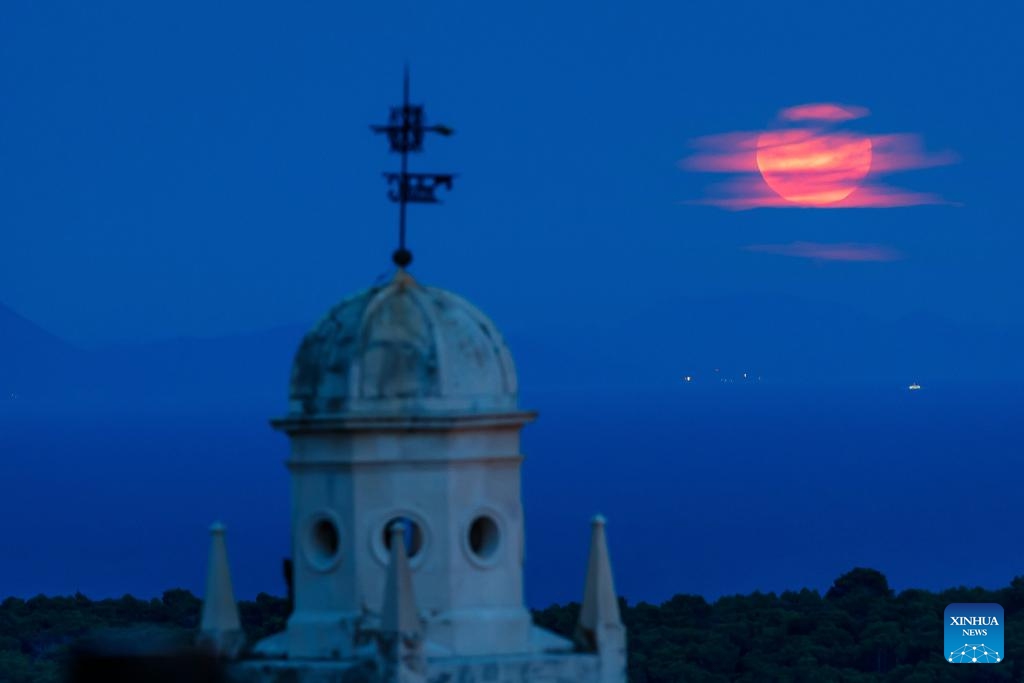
300 424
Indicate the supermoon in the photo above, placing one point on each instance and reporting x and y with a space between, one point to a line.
811 167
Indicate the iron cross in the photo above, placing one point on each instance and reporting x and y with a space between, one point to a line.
406 129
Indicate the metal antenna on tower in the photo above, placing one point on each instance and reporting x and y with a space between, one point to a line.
405 130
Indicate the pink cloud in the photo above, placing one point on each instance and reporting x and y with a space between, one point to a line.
905 152
812 166
742 193
737 152
842 251
823 111
727 153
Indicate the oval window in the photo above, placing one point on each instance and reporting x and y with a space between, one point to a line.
484 537
324 542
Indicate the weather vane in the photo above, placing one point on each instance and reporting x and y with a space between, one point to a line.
405 130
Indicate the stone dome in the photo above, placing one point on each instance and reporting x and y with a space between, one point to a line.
402 348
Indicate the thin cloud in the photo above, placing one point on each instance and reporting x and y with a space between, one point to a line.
842 251
812 165
737 152
823 111
742 193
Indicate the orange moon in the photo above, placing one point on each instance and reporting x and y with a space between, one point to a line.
813 168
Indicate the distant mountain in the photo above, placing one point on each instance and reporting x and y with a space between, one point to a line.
240 370
18 333
771 339
32 361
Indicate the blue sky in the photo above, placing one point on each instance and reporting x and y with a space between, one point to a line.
197 169
201 169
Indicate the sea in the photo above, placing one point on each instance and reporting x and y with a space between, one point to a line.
707 490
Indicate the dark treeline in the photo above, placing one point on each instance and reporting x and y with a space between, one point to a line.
860 630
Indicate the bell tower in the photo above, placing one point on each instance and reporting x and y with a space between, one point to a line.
403 412
407 517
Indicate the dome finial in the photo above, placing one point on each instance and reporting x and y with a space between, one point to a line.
405 130
402 257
